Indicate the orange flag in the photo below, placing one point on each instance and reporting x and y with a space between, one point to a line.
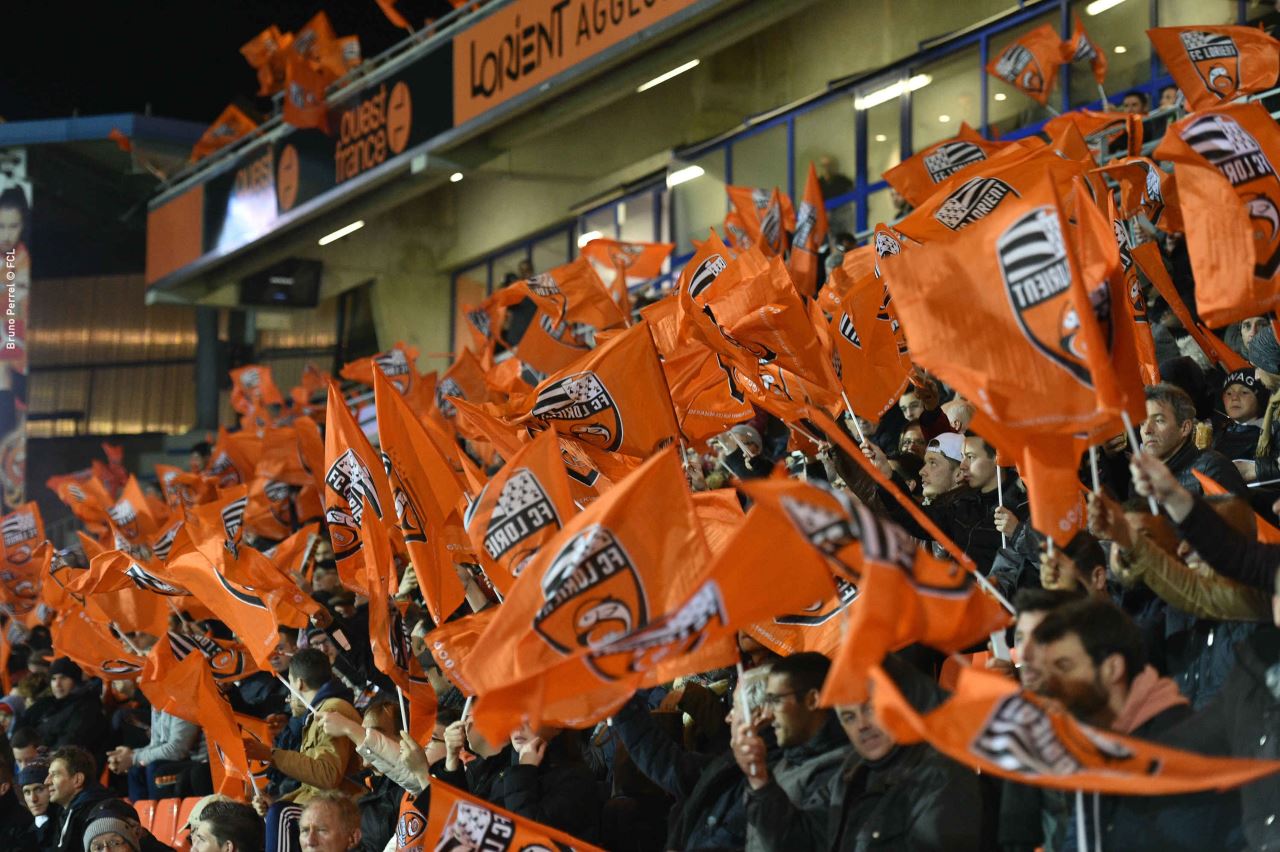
572 293
766 216
227 661
453 641
23 530
92 645
639 261
1002 314
21 580
872 368
989 724
354 478
459 821
1230 195
234 457
1031 63
1130 288
917 177
304 93
87 499
265 53
182 489
231 124
425 495
522 508
1146 189
1212 65
464 380
906 596
810 235
615 398
1100 130
388 637
186 689
1148 258
607 574
397 364
1081 48
252 387
131 514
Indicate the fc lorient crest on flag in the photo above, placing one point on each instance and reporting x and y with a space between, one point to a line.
1018 66
1037 277
351 480
950 157
1215 58
584 399
523 509
592 593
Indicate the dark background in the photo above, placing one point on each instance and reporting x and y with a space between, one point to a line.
60 58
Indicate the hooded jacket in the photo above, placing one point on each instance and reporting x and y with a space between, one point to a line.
76 817
322 762
1192 822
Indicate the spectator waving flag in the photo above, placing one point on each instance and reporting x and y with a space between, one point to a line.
1226 160
1081 48
810 236
1213 65
766 217
918 176
458 821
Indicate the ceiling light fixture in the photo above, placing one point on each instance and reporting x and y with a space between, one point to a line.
674 72
892 91
684 175
341 232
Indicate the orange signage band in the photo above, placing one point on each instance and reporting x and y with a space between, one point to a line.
531 41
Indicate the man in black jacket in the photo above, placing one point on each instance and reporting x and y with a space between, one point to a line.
1168 433
73 785
72 714
46 817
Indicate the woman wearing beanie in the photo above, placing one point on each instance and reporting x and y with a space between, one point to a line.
109 834
1263 350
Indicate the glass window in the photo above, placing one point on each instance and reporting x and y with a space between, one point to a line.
884 137
825 137
953 95
760 160
881 208
636 220
698 203
1120 35
1007 108
843 218
551 251
598 223
1181 13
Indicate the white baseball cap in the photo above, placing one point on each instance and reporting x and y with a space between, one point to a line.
950 444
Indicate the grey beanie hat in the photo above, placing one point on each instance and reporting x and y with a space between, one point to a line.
106 825
1263 350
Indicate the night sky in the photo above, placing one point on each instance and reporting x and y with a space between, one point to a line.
181 57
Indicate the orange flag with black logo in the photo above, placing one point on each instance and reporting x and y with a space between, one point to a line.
131 514
22 580
906 596
917 177
252 387
614 399
1146 189
388 637
1081 48
463 380
304 97
570 294
227 660
810 235
23 530
1031 63
1003 315
87 499
265 54
766 216
92 645
993 726
230 125
398 365
234 457
1229 190
1130 288
460 821
1212 65
425 494
185 688
869 362
601 576
636 261
183 489
354 478
1102 131
522 508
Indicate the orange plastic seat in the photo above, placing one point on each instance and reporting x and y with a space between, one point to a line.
165 823
146 812
181 837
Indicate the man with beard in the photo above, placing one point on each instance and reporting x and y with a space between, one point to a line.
1090 657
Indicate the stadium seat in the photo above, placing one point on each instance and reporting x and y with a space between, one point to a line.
165 824
146 812
181 838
